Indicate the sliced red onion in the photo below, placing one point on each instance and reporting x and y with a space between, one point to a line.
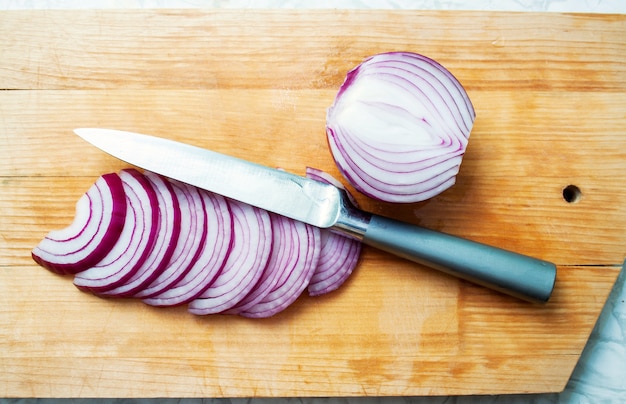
279 258
135 242
248 257
189 244
208 264
96 226
322 176
179 244
399 127
295 271
339 255
167 234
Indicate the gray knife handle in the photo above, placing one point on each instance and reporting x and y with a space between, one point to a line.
517 275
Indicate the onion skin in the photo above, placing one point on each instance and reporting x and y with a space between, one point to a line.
399 127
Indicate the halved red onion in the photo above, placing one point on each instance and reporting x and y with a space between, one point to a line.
98 221
248 257
189 244
295 271
399 127
208 264
135 242
339 255
167 234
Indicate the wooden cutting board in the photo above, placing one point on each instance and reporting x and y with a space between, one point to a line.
550 94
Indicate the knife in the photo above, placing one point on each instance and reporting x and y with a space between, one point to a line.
327 206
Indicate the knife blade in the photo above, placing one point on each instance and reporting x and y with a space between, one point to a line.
326 206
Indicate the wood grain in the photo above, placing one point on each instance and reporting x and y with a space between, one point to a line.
304 49
550 94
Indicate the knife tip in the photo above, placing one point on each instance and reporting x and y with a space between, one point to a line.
82 132
90 134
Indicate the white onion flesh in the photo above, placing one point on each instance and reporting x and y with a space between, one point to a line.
399 127
176 244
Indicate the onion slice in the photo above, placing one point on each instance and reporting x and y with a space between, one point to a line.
248 257
338 258
339 255
296 268
189 244
96 226
208 264
279 257
167 235
399 127
135 242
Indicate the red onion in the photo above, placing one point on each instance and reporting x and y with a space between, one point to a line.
338 258
168 243
399 127
209 262
189 245
248 257
278 259
135 241
291 270
97 223
168 232
339 255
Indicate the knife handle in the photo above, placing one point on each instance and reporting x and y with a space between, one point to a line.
518 275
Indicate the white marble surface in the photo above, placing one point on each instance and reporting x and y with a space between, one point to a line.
600 375
593 6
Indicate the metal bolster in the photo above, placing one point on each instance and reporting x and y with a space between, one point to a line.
352 222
